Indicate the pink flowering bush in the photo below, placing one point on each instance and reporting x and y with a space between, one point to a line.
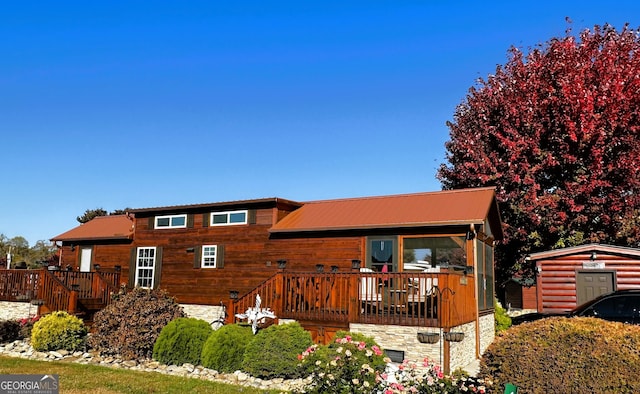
345 366
429 378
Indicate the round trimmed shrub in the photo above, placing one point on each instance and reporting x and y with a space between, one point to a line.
58 330
224 350
130 325
566 355
181 341
274 351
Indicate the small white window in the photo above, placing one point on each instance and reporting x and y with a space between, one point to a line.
171 221
228 218
209 256
145 267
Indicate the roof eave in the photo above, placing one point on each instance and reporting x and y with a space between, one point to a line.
380 226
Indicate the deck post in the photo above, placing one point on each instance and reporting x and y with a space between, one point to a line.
73 302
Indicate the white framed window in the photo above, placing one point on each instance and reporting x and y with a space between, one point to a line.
209 254
229 218
145 267
171 221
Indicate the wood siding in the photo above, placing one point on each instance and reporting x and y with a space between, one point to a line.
556 290
250 256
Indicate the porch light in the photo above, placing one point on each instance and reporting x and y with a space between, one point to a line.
282 264
118 268
96 267
320 267
334 268
233 294
594 256
355 264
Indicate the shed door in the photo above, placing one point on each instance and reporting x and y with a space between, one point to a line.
591 284
85 260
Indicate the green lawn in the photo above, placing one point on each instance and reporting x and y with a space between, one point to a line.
79 378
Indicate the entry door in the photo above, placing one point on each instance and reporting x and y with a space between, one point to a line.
382 254
85 259
591 284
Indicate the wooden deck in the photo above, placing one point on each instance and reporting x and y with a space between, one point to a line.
409 299
445 299
80 293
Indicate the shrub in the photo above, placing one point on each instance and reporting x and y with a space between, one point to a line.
566 355
58 330
130 325
503 321
324 354
427 378
181 341
344 366
9 331
225 348
274 351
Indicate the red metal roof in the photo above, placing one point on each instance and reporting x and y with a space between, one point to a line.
450 207
110 227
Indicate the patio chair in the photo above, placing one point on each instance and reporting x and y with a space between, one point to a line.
370 295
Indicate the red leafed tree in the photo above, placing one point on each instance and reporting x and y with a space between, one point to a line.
557 132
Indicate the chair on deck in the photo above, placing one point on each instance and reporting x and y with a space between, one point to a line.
369 292
424 293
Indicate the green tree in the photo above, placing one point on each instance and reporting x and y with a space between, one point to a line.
556 131
90 214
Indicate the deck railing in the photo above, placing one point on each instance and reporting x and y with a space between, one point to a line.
444 299
19 285
57 296
90 285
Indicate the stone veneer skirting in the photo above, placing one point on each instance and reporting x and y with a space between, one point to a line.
405 339
207 313
16 310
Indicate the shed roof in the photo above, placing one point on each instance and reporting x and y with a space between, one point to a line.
113 227
442 208
586 248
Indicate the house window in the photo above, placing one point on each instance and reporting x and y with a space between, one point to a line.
425 252
209 256
171 221
145 267
228 218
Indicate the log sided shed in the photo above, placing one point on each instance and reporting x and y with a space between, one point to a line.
569 277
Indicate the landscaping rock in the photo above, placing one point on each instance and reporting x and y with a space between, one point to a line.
22 349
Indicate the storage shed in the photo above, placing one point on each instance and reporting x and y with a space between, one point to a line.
571 276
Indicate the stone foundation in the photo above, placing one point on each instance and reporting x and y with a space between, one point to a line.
208 313
405 339
16 310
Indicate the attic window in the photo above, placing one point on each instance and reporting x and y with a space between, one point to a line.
228 218
171 221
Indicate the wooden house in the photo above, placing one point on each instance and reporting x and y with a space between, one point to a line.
400 268
571 276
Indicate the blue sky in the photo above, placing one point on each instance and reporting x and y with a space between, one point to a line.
139 104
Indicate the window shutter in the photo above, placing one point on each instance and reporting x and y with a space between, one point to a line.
206 218
197 257
251 216
190 221
132 268
152 222
157 271
220 256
